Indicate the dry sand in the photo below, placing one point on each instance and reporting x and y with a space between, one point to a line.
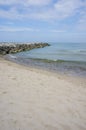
31 99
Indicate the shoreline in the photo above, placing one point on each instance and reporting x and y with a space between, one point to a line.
69 77
68 68
36 99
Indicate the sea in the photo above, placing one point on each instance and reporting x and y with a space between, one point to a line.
64 58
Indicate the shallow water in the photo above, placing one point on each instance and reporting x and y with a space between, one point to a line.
63 57
58 51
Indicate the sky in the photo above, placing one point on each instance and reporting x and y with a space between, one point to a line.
42 20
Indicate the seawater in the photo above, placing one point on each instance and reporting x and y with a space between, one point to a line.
63 57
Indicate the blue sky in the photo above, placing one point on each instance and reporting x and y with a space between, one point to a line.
43 20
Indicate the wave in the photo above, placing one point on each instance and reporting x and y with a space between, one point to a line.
12 56
63 66
57 61
72 51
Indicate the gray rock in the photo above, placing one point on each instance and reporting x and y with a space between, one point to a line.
8 48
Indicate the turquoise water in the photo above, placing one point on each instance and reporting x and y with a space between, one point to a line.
63 57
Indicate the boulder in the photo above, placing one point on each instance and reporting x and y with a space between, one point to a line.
6 48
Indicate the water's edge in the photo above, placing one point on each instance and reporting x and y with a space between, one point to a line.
74 68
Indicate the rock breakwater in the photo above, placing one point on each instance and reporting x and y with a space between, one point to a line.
8 48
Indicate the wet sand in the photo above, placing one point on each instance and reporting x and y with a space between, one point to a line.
32 99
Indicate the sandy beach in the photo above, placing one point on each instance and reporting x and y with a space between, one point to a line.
32 99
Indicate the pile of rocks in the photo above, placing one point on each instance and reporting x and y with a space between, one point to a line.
6 48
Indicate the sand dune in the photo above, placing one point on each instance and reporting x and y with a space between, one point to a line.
31 99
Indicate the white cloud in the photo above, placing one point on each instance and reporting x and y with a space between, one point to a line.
65 8
60 10
58 31
8 2
68 8
16 29
29 8
25 2
37 9
38 2
81 24
10 14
